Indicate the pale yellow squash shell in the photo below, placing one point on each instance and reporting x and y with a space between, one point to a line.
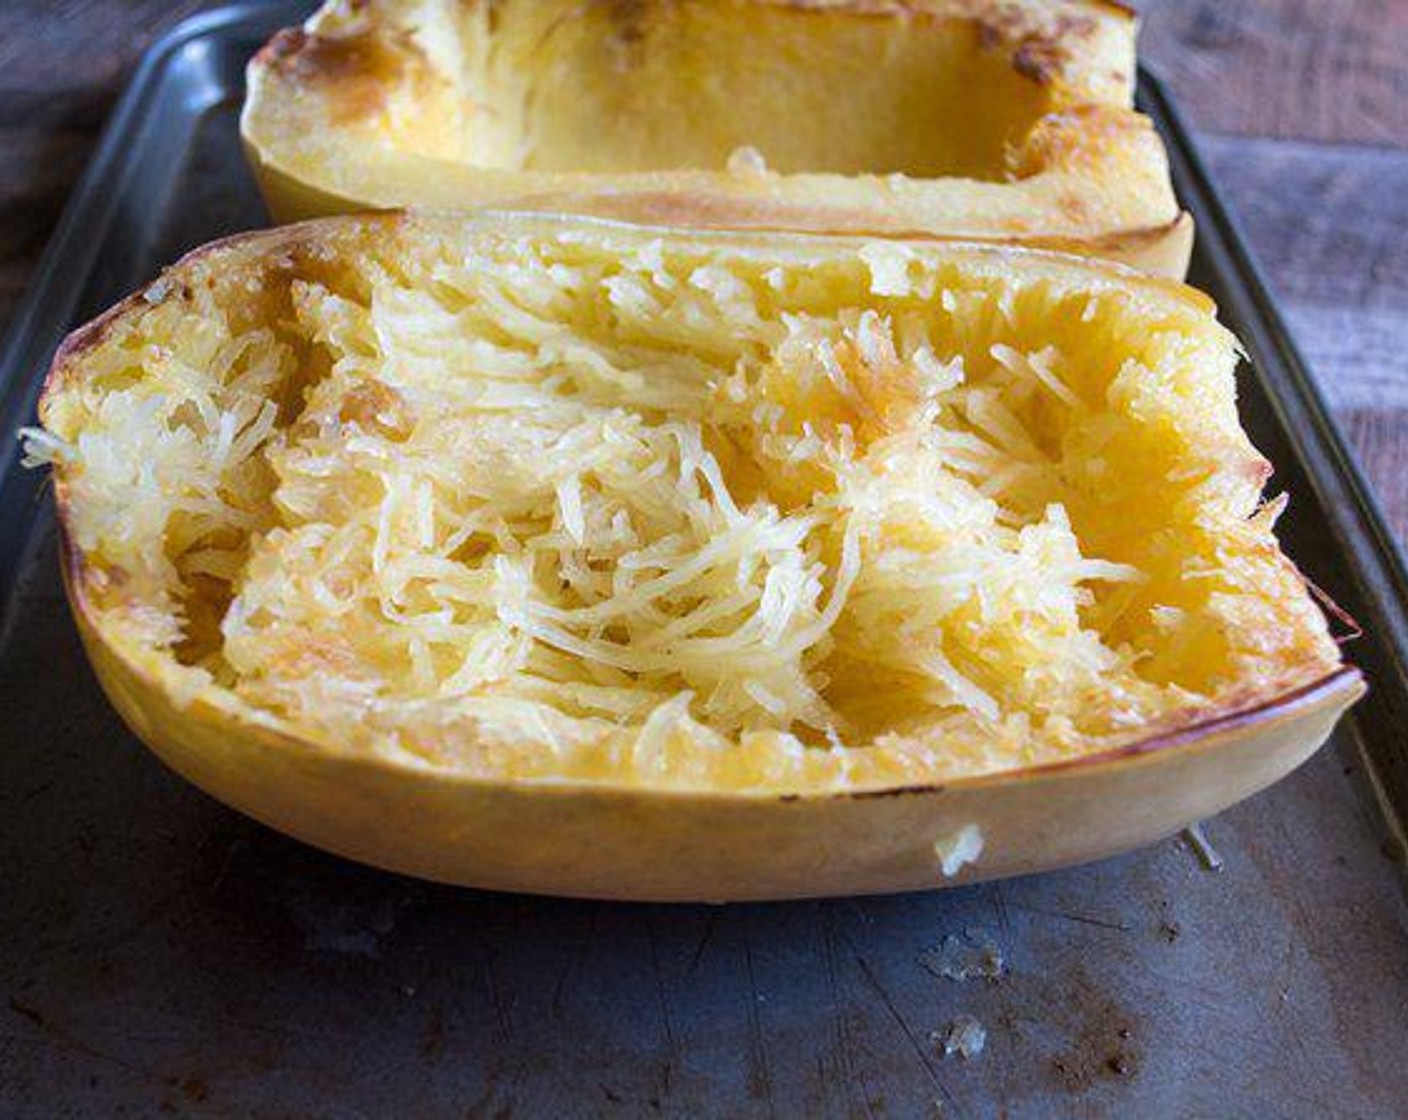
995 121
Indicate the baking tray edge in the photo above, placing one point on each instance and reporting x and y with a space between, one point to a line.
54 298
1375 589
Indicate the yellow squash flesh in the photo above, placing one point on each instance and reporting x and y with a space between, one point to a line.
993 121
1012 603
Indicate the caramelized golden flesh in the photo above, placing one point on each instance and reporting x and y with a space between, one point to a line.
528 498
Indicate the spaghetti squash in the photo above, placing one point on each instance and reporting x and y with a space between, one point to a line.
1000 120
519 507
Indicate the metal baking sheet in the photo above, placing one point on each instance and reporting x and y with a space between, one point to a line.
160 954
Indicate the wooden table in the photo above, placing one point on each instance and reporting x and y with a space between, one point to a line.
1301 105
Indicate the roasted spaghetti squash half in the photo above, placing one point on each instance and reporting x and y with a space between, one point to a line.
573 556
999 120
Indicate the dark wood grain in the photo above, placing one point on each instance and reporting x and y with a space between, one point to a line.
1327 70
1330 227
55 54
62 66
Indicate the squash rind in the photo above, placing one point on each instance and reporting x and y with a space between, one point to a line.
612 839
1098 181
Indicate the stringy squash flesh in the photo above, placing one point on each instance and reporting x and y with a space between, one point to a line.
529 498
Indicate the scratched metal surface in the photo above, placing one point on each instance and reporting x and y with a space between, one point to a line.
161 954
